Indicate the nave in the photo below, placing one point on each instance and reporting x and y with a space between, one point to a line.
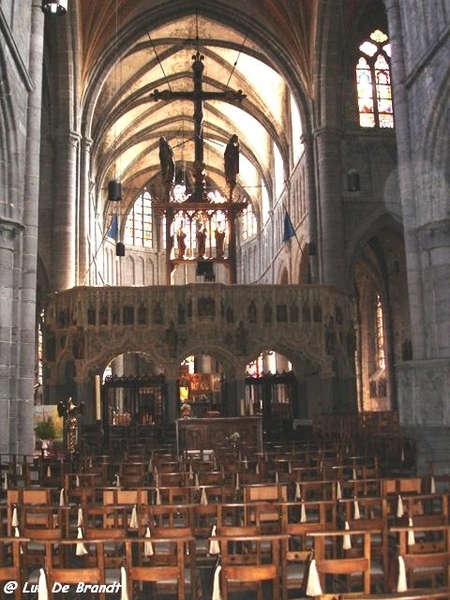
324 517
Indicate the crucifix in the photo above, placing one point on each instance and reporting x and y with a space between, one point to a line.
197 201
198 96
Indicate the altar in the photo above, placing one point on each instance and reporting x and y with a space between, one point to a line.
210 434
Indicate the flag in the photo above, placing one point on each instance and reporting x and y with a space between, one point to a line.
289 231
114 228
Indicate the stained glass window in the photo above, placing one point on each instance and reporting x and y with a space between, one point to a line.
373 80
139 225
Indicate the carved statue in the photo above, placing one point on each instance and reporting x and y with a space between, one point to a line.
167 165
231 163
181 241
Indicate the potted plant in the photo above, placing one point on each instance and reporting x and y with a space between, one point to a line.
46 432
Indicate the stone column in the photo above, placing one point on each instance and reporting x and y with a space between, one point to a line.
331 257
84 250
172 400
9 411
23 440
406 179
65 217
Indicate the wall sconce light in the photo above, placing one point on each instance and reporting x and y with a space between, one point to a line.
114 190
353 182
120 249
54 7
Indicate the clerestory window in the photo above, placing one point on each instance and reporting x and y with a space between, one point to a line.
373 80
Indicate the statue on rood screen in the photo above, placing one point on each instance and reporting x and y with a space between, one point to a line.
220 242
167 165
201 242
181 241
231 163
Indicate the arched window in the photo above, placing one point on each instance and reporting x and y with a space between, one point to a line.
248 223
139 225
373 80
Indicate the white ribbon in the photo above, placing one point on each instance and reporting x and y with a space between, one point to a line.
411 536
81 549
148 546
117 480
196 481
356 513
77 481
257 469
191 472
14 518
402 586
338 490
49 472
237 486
298 491
303 518
80 518
313 587
400 509
203 497
5 482
432 485
216 594
62 500
123 584
42 586
134 520
17 535
346 541
158 496
214 546
277 477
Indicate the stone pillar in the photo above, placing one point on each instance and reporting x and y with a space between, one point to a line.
331 257
22 401
84 251
406 180
172 400
65 203
9 407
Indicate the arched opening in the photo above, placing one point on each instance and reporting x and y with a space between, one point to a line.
133 398
271 390
201 386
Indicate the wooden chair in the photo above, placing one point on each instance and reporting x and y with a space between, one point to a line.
12 567
80 574
246 562
169 567
353 569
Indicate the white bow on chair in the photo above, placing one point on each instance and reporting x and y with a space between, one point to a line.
42 586
123 584
81 549
148 546
401 582
313 587
214 547
216 594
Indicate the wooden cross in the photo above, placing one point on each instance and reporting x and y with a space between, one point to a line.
198 96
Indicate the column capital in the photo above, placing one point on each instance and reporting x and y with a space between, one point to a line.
9 229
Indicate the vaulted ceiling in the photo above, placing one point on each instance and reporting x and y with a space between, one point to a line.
128 48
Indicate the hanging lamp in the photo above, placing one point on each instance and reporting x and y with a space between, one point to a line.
54 7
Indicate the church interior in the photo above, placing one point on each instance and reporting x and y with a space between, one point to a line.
225 280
